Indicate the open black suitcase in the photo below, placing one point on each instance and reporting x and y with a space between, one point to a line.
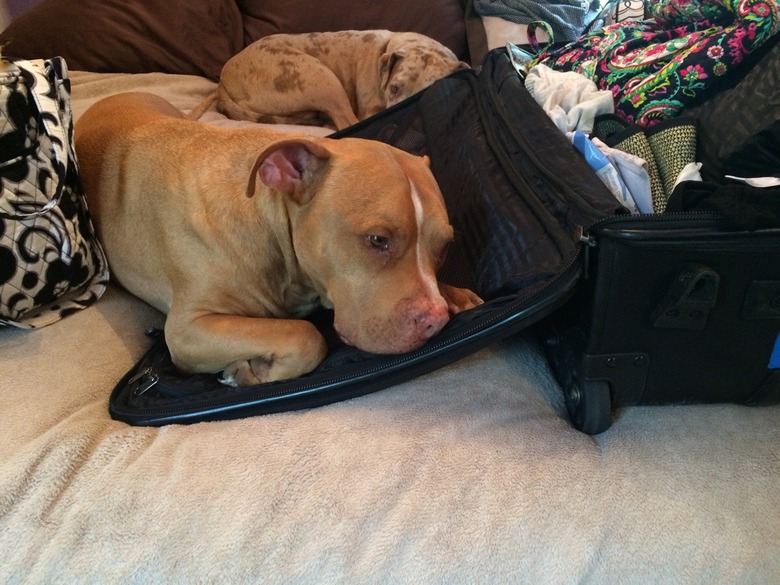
522 202
672 309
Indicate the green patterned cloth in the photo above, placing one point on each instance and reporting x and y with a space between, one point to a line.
657 67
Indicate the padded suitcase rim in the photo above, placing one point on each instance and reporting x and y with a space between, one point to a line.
319 390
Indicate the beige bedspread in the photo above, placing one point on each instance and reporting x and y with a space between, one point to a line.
471 474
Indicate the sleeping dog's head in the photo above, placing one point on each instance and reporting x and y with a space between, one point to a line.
370 230
411 63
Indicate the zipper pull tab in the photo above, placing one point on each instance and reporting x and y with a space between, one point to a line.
143 381
589 242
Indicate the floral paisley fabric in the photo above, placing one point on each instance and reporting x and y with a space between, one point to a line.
677 58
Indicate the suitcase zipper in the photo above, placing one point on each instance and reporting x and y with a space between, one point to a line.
694 224
686 223
590 240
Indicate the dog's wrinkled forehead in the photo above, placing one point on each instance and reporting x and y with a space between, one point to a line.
423 67
418 62
385 178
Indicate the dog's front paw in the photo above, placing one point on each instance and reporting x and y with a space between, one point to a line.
261 370
247 372
458 299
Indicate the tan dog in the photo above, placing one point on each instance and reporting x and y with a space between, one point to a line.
237 233
331 77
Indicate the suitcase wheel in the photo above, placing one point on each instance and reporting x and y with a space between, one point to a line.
589 405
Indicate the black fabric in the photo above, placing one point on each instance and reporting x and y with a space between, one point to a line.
758 156
517 192
743 207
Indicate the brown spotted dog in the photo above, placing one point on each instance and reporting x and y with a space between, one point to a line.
329 78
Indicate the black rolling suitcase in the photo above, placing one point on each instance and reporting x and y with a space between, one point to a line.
673 308
519 197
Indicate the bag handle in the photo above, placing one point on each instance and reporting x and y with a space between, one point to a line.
42 88
522 59
533 41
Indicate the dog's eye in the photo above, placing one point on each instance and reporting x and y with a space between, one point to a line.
379 242
394 89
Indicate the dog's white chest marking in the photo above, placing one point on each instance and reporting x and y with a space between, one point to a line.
428 279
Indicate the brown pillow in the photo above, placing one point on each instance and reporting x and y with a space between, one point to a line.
130 36
442 20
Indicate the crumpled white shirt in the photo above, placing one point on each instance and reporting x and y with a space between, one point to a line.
570 99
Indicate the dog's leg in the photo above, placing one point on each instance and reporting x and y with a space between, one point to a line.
204 105
307 85
296 89
458 299
246 350
336 104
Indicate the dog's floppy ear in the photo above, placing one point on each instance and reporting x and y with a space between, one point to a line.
387 63
287 165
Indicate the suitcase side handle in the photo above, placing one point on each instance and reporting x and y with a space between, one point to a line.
690 298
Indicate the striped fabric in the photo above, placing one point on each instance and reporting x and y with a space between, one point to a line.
567 18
